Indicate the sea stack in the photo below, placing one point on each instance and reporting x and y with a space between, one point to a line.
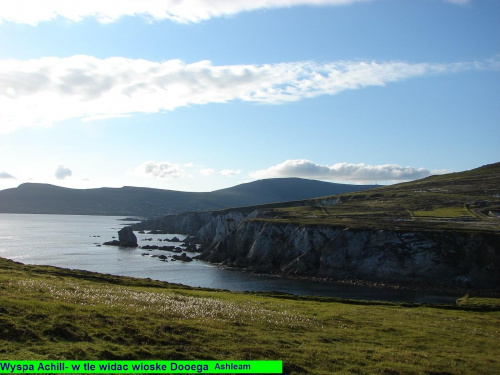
127 238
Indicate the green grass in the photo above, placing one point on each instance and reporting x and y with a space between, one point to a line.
452 202
50 313
444 213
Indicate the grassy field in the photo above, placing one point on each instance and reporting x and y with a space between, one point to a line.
52 313
454 202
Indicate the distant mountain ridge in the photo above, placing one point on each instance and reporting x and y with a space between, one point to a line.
35 198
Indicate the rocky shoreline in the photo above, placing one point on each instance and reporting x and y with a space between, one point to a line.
230 227
439 288
441 261
127 239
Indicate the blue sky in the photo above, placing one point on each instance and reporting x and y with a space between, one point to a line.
201 95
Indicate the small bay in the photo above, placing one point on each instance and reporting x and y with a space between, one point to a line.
71 241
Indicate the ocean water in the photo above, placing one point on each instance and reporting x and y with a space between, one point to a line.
71 241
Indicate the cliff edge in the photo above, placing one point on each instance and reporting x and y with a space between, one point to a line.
442 229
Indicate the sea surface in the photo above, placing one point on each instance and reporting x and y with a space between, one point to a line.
72 241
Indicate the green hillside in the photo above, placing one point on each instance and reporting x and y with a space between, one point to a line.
467 200
52 313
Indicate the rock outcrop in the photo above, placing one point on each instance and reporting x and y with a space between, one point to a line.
241 238
375 255
202 225
126 238
183 257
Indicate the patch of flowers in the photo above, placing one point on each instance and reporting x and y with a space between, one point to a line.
168 304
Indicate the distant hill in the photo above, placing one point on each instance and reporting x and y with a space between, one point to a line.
33 198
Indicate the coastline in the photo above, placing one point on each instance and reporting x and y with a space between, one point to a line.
421 287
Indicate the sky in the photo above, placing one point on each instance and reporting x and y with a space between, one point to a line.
199 95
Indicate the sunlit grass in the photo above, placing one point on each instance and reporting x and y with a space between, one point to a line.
444 212
164 304
48 313
456 201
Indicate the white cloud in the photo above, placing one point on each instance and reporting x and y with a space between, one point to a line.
62 172
184 11
207 171
229 172
5 175
48 90
163 169
341 171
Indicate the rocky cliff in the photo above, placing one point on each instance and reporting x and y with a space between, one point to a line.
438 229
206 226
211 226
375 255
248 239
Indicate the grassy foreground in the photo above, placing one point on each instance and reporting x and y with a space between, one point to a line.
53 313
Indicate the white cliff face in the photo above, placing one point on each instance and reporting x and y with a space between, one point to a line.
363 254
219 226
238 238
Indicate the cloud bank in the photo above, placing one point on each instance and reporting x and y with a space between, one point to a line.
48 90
342 171
183 11
62 172
5 176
